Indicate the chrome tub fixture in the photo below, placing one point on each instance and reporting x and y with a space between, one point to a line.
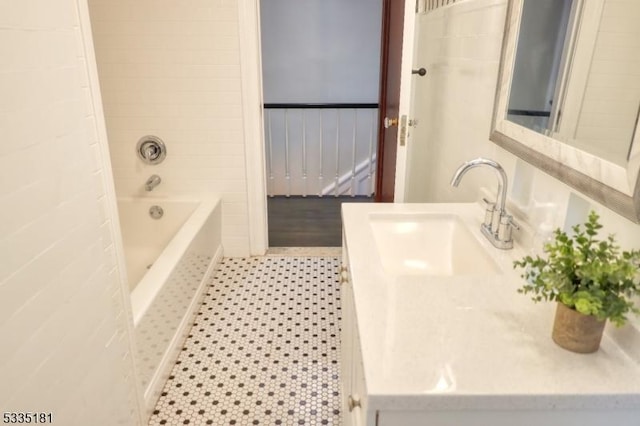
152 182
151 149
156 212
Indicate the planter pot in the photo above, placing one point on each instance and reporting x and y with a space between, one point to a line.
575 331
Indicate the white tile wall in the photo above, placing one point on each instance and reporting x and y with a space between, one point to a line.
63 324
459 45
174 71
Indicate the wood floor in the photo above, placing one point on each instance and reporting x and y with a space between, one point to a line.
308 221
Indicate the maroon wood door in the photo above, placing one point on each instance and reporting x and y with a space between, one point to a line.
389 100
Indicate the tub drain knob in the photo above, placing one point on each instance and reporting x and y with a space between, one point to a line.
156 212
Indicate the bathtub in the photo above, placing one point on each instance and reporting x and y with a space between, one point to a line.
168 262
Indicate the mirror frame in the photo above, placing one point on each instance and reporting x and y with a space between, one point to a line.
562 161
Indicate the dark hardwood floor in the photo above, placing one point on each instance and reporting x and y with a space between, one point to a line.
307 221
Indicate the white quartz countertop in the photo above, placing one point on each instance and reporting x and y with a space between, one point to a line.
469 341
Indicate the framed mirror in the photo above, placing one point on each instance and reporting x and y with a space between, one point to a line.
568 95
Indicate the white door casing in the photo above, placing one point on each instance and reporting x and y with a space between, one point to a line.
251 69
406 90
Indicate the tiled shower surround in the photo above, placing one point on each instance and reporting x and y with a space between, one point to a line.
264 347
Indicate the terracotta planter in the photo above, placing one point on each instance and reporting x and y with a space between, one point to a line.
575 331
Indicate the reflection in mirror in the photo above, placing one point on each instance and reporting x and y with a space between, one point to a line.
541 42
577 72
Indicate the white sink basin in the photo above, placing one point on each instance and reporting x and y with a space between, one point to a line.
428 244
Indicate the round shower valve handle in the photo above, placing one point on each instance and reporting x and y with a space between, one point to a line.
151 149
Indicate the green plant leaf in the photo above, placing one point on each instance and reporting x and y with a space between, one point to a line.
590 275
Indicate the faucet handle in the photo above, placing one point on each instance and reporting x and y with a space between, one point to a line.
489 210
506 227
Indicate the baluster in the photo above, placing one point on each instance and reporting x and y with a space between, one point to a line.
370 172
270 165
304 153
320 176
353 152
337 181
287 174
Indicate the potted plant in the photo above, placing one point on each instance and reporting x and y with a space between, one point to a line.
591 279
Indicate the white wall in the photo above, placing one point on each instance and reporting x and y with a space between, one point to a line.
63 321
321 50
463 50
172 69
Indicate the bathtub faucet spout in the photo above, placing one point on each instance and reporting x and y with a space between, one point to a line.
152 182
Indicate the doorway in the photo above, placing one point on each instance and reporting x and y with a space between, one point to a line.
321 87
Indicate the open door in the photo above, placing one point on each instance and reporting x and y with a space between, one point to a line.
389 102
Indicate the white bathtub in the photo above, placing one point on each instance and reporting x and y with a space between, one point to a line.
168 261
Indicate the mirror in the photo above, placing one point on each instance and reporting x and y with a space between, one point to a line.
568 96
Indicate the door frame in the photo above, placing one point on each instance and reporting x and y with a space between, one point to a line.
252 111
389 99
406 90
405 100
252 100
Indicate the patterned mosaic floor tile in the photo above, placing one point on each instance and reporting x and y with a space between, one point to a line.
264 348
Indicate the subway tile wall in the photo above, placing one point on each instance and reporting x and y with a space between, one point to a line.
63 323
460 47
174 72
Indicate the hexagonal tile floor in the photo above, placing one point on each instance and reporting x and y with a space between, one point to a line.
264 348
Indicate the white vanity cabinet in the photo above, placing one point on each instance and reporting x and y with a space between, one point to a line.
354 393
458 350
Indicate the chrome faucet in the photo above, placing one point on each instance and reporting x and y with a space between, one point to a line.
152 182
498 225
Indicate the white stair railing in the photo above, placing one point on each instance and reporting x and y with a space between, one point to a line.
309 143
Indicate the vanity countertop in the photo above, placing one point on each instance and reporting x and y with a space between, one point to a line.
470 341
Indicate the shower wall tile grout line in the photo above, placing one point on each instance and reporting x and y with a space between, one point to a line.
264 347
